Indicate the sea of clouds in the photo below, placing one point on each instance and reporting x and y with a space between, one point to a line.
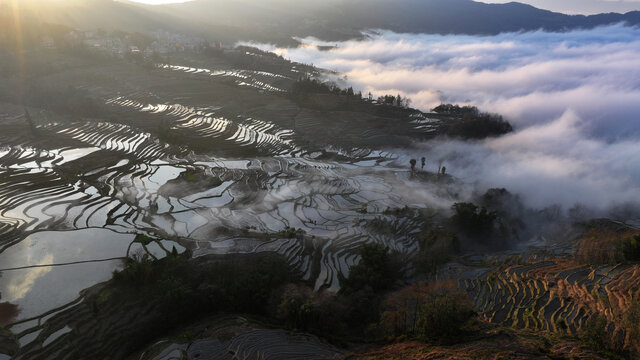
573 98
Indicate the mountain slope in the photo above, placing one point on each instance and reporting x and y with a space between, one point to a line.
337 19
91 15
279 20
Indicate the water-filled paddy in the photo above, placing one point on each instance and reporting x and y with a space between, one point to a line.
196 172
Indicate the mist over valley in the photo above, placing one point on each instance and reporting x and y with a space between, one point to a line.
322 180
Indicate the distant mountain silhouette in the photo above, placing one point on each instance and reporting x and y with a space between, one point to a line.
279 20
338 19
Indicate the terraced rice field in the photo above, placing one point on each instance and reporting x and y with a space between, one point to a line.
260 80
554 295
203 123
189 173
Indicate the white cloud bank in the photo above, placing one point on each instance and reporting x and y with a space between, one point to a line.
574 99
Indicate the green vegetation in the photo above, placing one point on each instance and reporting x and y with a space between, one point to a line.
631 323
630 248
472 124
308 85
397 101
291 233
377 270
473 221
143 239
451 109
352 314
608 243
190 175
445 313
437 312
436 248
404 211
479 127
322 313
595 335
180 290
231 285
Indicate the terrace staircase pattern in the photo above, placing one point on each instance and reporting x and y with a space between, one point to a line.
553 295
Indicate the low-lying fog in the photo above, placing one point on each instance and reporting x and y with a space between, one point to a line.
574 99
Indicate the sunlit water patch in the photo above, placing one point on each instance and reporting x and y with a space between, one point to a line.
203 122
260 80
49 269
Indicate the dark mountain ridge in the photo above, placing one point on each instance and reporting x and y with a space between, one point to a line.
280 20
337 19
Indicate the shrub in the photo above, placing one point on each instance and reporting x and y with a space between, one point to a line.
594 333
297 308
445 313
436 248
434 312
608 242
631 322
631 248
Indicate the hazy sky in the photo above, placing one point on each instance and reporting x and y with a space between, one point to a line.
567 6
159 2
581 6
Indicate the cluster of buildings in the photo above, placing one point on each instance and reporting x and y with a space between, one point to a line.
120 43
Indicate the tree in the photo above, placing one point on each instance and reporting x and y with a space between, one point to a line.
437 311
473 221
413 164
631 249
401 309
376 270
424 161
399 101
436 248
445 313
297 307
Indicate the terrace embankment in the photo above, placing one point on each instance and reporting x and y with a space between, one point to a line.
561 294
